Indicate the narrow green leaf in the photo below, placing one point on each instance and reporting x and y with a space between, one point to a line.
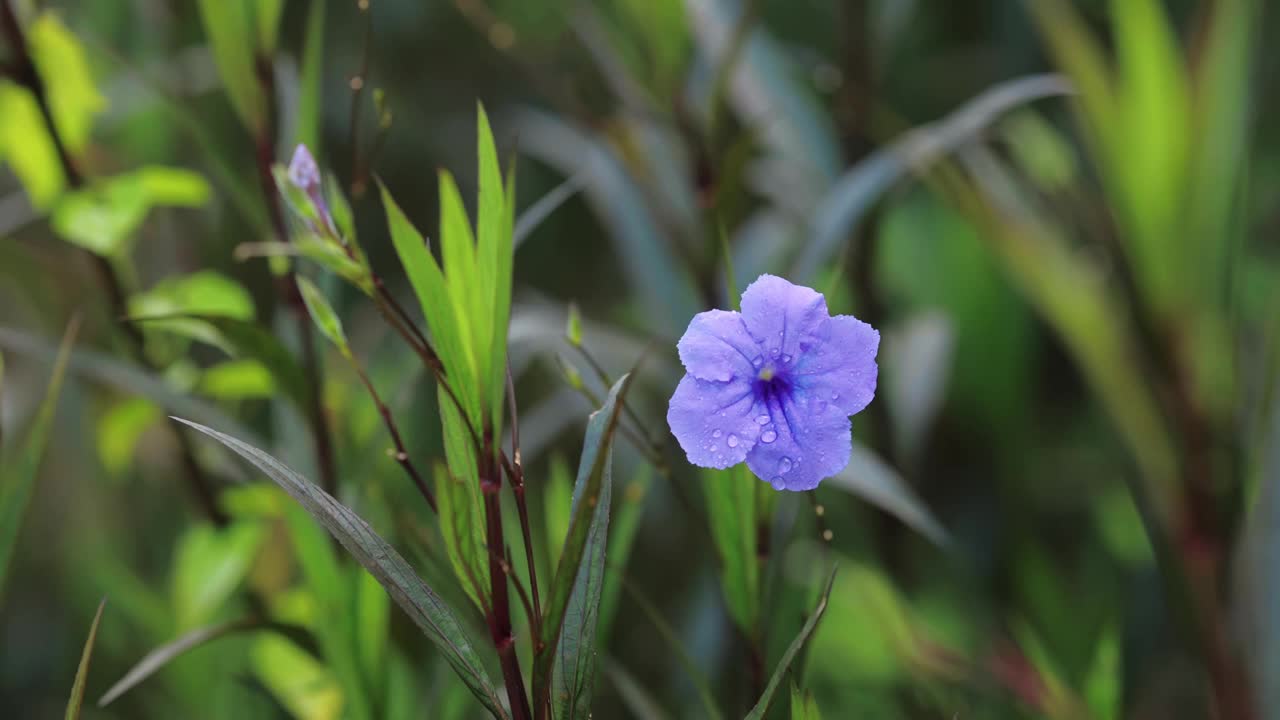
157 659
82 673
1102 684
1 401
461 521
557 505
18 474
418 601
495 252
73 96
372 629
26 146
311 84
593 473
574 669
322 314
267 19
803 706
230 27
731 496
104 216
784 665
872 479
466 299
622 535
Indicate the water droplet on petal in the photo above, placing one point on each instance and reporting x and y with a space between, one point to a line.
768 437
784 465
778 484
763 420
758 360
716 434
786 358
835 396
774 352
714 448
733 440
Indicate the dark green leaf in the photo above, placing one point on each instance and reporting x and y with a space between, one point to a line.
731 496
418 601
784 665
82 672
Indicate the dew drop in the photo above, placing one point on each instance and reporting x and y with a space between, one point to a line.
733 440
714 448
778 484
784 465
786 358
758 360
835 396
763 420
768 437
716 434
774 352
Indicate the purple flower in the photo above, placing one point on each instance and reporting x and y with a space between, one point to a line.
774 385
304 174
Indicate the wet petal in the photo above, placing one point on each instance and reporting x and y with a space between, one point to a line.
717 347
841 369
801 446
714 421
784 319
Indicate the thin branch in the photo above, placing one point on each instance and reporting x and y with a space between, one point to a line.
516 468
402 453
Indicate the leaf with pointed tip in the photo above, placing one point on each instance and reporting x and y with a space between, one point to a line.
731 500
323 315
535 214
784 665
18 474
872 479
427 610
593 474
230 27
82 673
461 522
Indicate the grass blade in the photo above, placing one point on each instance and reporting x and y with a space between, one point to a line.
18 475
731 499
154 661
537 213
784 665
873 480
427 610
77 690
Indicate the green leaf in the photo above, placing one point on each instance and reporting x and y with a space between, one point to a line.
872 479
495 253
557 504
238 380
419 602
322 314
206 292
304 686
103 217
311 82
335 259
267 18
1102 685
74 99
26 145
209 566
574 668
803 706
622 535
461 521
784 664
18 474
731 496
119 430
232 33
372 628
82 672
594 472
157 659
466 297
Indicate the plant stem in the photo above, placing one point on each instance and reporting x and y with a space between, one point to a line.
402 454
23 71
522 507
499 615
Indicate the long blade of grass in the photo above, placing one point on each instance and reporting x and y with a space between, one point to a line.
534 215
784 664
82 673
18 475
427 610
875 481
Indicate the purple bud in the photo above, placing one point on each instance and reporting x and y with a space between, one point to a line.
303 171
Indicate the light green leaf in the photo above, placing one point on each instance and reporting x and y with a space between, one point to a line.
232 33
803 706
267 18
25 144
18 474
372 628
731 497
423 606
82 672
323 315
466 299
209 566
557 504
1102 685
494 253
304 686
238 380
73 96
103 217
594 472
119 430
206 292
784 664
461 522
311 84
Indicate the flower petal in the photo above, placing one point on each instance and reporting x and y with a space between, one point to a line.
806 442
717 347
784 319
841 368
714 421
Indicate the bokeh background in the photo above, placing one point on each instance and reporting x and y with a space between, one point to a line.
1061 216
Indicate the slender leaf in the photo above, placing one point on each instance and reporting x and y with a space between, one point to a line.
62 62
593 473
875 481
634 695
784 665
419 602
537 213
731 499
461 521
26 146
18 474
82 672
157 659
803 705
622 535
232 33
322 314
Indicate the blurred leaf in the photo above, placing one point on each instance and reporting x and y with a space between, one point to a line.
494 258
803 706
784 664
373 628
119 430
82 672
238 380
233 37
209 566
1102 686
1122 529
625 526
1257 574
333 258
322 314
73 96
461 522
157 659
917 360
267 18
103 217
534 215
25 144
340 209
574 668
594 472
731 498
422 605
840 210
1041 150
300 683
19 466
557 503
1076 51
205 292
866 606
872 479
635 697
